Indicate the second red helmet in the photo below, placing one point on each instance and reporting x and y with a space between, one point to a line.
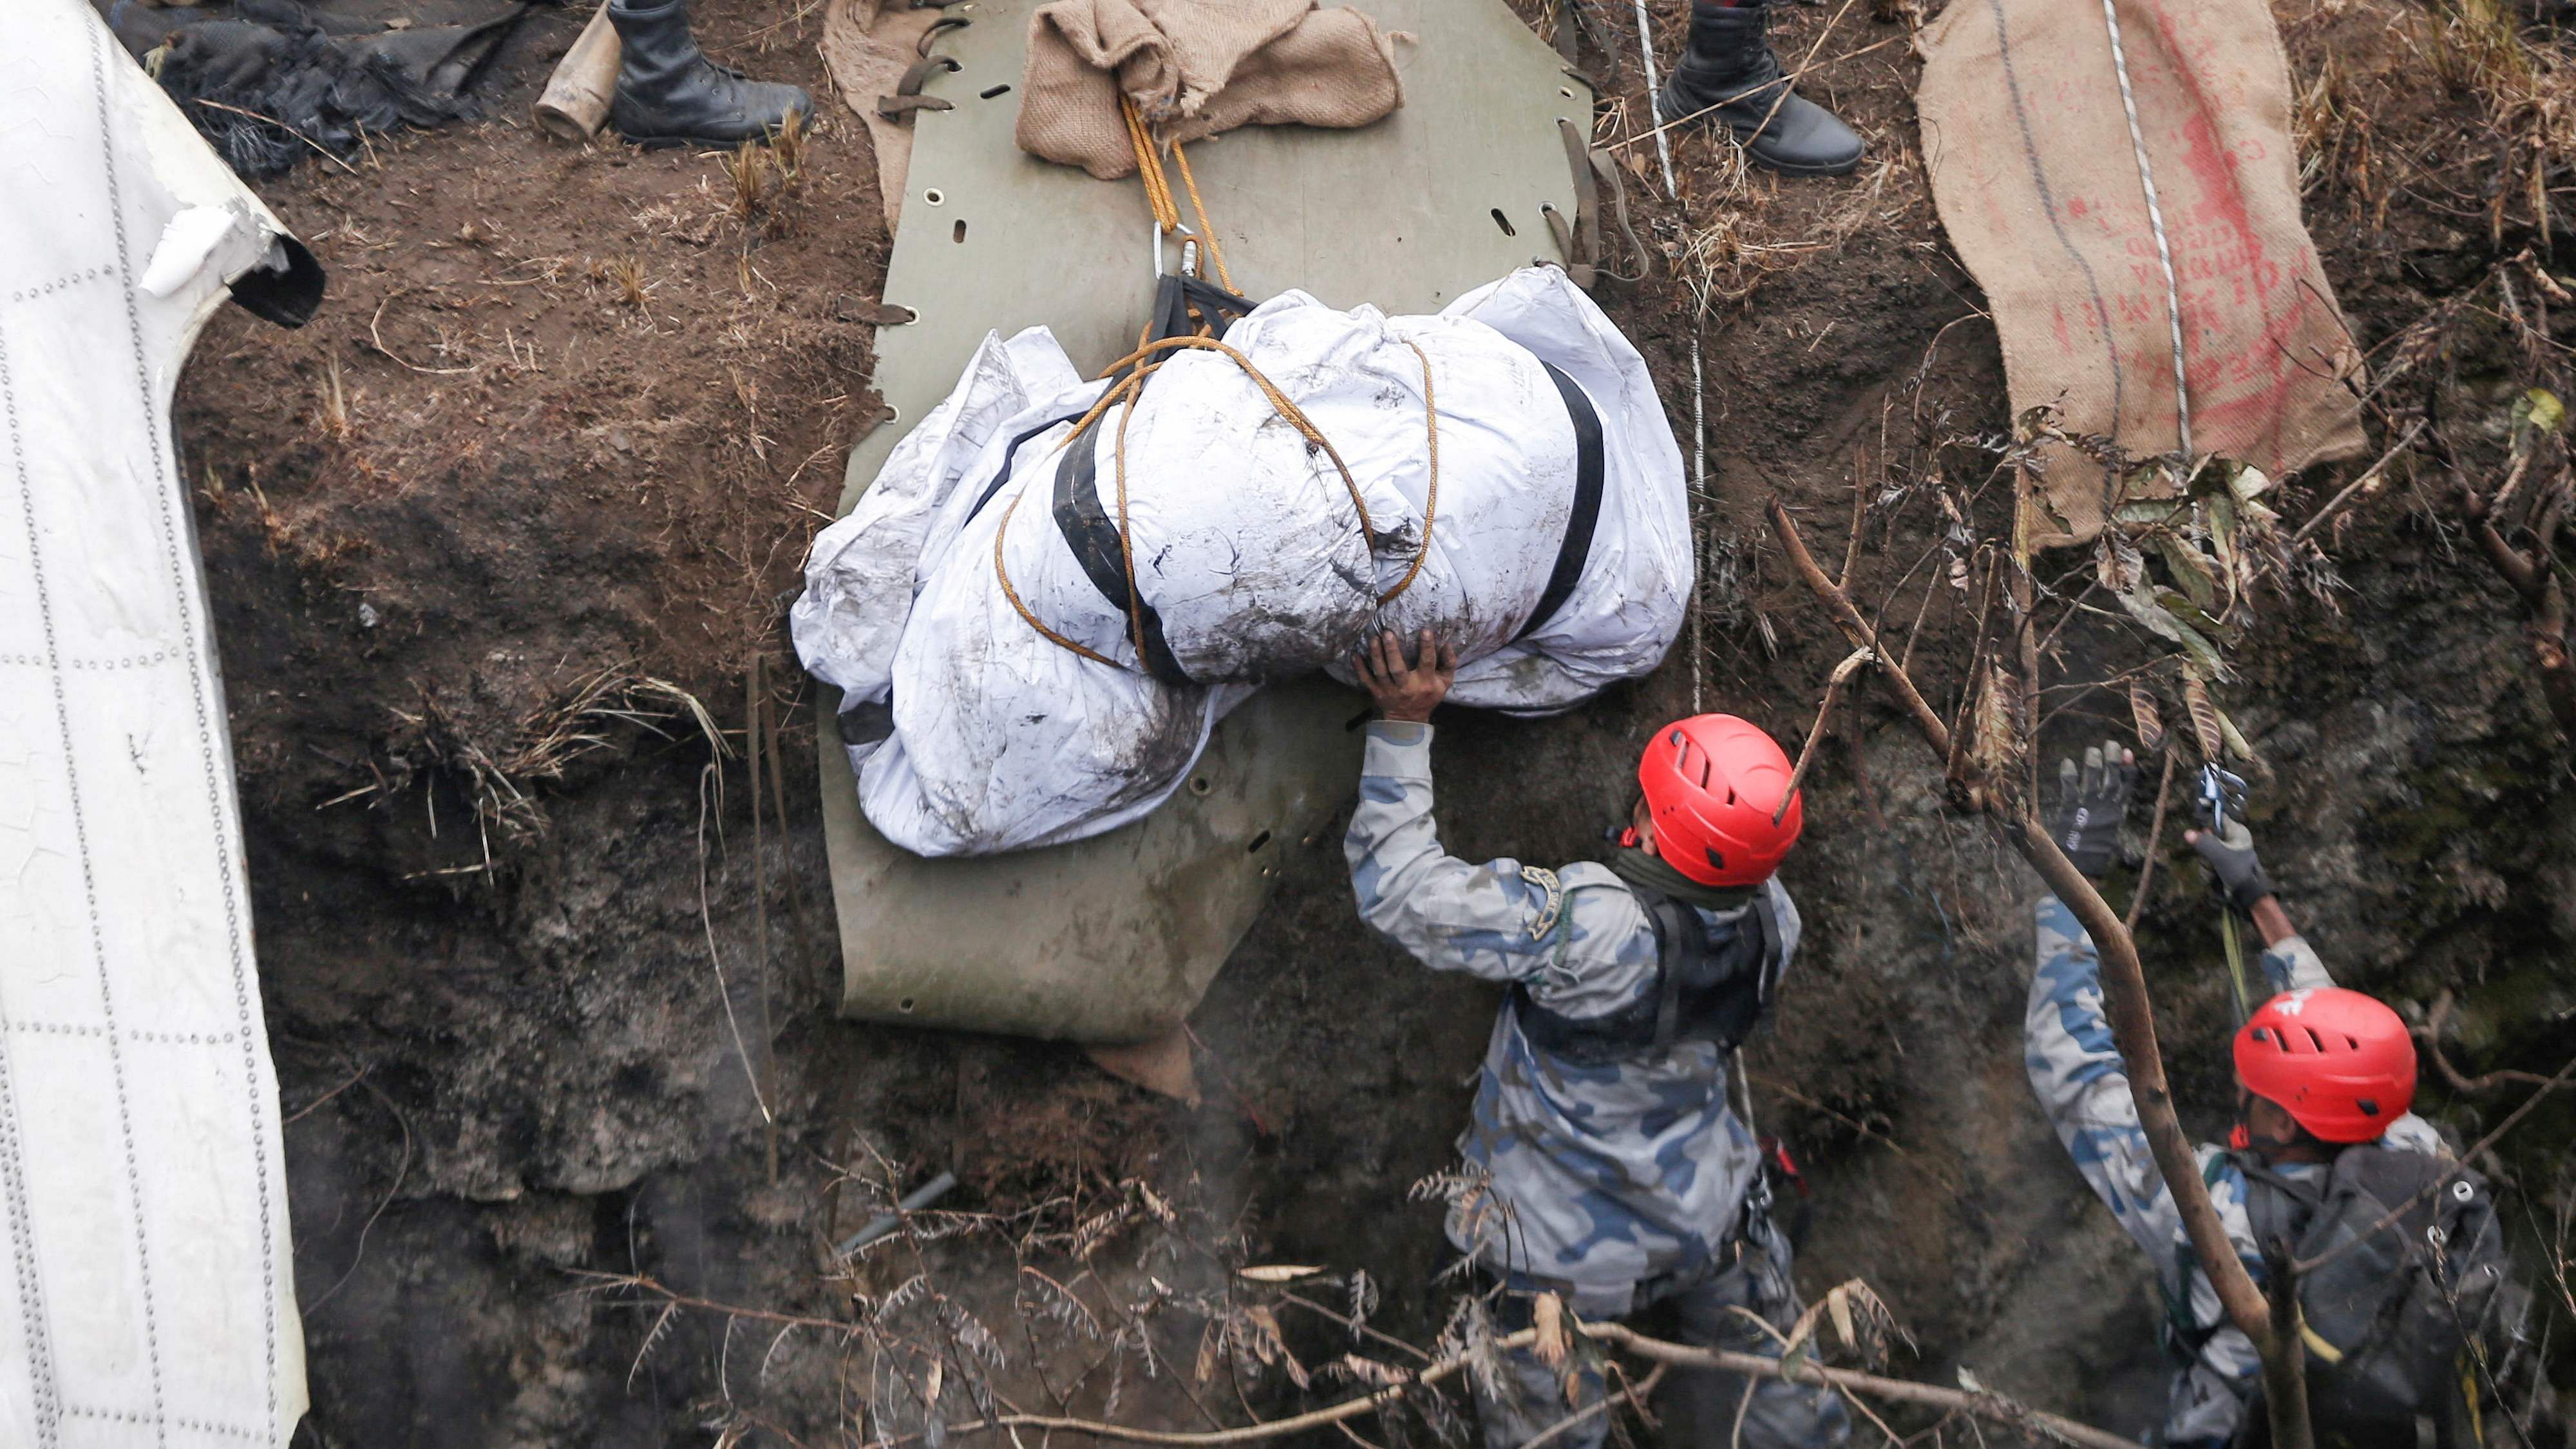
2340 1063
1713 783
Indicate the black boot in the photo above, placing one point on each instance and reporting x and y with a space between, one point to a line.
1728 65
668 94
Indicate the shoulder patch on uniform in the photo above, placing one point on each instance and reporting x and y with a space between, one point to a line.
1544 880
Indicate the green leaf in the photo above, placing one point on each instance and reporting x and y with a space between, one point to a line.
2190 569
2152 513
2539 408
2150 607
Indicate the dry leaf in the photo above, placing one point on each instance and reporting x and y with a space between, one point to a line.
2205 728
1269 1346
1211 1343
1838 1303
1994 737
1547 1315
1369 1371
2148 718
1276 1273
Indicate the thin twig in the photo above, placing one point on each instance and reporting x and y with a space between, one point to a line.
2155 834
2436 1025
318 148
2124 988
1816 732
307 1109
1803 1371
1633 1394
708 777
2368 476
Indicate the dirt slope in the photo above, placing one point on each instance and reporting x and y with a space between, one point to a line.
543 471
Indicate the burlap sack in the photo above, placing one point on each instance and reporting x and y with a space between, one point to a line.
869 45
2037 181
1194 68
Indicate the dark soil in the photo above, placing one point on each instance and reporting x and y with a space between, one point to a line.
542 471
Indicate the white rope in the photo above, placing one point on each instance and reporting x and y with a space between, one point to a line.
2156 222
1699 523
1654 91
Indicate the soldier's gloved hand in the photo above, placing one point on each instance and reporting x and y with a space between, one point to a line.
2230 855
2091 803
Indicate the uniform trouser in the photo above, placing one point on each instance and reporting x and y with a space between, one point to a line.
1776 1414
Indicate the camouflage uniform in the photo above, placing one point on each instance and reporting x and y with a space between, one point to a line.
2084 1089
1619 1185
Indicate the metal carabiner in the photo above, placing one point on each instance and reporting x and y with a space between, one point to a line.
2220 792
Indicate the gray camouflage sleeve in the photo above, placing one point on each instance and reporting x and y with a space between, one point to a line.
2083 1087
1499 920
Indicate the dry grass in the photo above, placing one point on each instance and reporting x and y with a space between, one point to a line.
501 777
335 401
626 274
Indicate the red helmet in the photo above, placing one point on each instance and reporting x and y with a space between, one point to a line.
1712 784
2340 1063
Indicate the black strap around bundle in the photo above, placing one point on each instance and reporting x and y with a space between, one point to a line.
1181 305
1575 549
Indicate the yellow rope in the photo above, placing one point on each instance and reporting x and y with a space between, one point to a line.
1001 531
1207 228
1158 188
1149 169
1431 495
1280 403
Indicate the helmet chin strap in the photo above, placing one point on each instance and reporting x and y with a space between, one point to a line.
2242 1138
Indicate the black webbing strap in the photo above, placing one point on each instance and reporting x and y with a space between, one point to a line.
1679 940
1093 536
1180 303
1009 456
1575 549
1177 297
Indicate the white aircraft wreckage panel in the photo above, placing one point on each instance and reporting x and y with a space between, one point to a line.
142 1179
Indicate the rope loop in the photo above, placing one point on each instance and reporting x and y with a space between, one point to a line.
1126 391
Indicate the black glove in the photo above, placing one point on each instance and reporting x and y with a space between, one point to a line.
2091 803
2230 854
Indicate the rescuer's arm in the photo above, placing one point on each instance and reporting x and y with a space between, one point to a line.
1497 920
2289 962
2075 1068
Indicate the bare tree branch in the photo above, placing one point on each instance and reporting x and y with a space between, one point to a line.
2124 993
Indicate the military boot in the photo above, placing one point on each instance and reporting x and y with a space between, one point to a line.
670 94
1728 74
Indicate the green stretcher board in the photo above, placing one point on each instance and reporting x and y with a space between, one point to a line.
1113 939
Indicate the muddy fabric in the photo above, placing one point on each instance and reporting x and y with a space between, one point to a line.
268 81
1531 1397
2038 185
2083 1088
973 733
1601 1177
868 45
1194 68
